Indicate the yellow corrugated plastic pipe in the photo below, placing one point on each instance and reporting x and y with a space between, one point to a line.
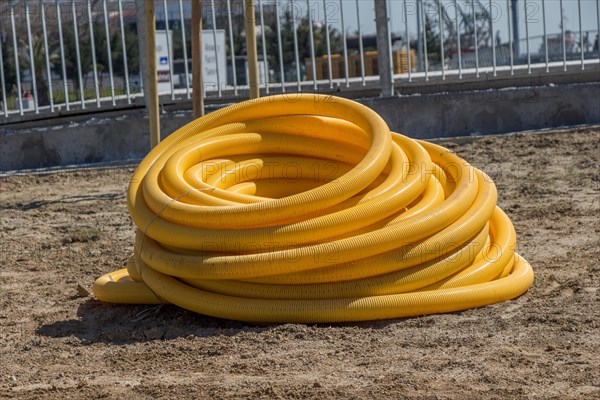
306 208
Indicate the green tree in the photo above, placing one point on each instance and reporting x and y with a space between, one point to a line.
71 57
39 65
102 56
271 40
10 73
304 45
116 47
433 41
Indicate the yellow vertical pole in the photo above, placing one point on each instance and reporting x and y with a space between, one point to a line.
153 111
251 50
197 83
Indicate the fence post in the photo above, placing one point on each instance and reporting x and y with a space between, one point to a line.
250 27
197 81
153 110
383 48
515 26
142 34
420 60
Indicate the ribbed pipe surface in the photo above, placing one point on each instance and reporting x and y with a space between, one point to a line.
306 208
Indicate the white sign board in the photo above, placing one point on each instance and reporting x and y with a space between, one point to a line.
214 64
164 60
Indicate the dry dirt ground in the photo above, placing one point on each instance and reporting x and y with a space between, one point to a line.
63 229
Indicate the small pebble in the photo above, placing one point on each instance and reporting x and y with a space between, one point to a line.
81 291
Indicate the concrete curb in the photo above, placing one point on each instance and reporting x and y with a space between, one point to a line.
124 136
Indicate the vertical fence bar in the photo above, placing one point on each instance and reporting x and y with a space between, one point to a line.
545 35
407 40
383 43
493 36
140 17
476 39
527 36
419 22
510 38
153 105
458 45
581 36
62 55
215 52
232 48
263 46
141 81
31 60
312 46
562 30
598 25
169 48
124 46
345 45
442 57
360 46
328 44
78 55
197 79
142 46
3 83
279 48
93 51
516 28
389 38
16 54
109 52
47 55
296 54
185 53
424 32
250 27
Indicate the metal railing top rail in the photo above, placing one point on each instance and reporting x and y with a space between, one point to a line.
63 55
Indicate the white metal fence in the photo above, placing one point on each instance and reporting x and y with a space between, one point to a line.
58 55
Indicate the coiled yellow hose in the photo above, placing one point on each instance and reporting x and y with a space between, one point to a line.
308 209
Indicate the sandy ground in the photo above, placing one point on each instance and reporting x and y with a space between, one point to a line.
64 229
